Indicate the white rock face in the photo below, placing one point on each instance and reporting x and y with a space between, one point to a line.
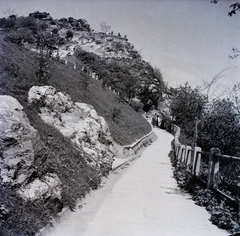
18 143
18 140
77 121
48 186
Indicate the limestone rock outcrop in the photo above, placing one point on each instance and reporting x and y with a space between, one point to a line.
18 141
77 121
46 187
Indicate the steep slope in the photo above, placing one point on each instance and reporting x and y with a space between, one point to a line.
101 73
19 67
111 57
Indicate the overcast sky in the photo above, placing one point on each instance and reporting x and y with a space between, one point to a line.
187 40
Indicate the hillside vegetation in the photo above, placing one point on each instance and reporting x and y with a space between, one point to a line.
115 62
98 68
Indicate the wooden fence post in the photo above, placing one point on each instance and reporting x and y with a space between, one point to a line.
196 161
181 154
187 160
176 149
213 169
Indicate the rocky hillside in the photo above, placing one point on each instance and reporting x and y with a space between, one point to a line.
68 94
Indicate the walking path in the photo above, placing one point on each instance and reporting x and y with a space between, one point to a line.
139 200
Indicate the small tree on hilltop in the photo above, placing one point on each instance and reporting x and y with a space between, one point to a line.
105 28
69 34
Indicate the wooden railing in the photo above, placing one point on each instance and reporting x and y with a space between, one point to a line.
191 159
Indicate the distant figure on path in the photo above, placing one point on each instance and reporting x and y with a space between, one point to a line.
153 121
159 120
156 121
163 122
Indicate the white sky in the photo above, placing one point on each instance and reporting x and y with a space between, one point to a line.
187 40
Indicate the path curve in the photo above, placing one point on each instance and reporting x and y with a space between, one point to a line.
140 200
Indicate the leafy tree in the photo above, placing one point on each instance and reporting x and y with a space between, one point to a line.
220 127
130 84
46 45
235 96
143 93
161 85
19 36
186 108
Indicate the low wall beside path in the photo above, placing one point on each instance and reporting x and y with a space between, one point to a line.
134 148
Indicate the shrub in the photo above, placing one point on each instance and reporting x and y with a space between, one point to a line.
26 22
116 112
137 106
69 34
19 36
187 107
55 31
20 217
9 23
3 22
220 128
84 24
39 15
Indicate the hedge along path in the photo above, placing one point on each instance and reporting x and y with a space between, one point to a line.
141 200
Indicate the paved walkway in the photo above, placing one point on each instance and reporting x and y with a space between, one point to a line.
141 200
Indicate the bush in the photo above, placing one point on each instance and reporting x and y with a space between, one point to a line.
3 22
116 112
69 34
26 22
84 24
8 23
222 215
20 36
137 106
20 217
220 128
55 31
187 107
39 15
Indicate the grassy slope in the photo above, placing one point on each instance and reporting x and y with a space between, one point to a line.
128 128
17 75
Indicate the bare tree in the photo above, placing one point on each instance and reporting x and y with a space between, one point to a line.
9 11
208 85
105 28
